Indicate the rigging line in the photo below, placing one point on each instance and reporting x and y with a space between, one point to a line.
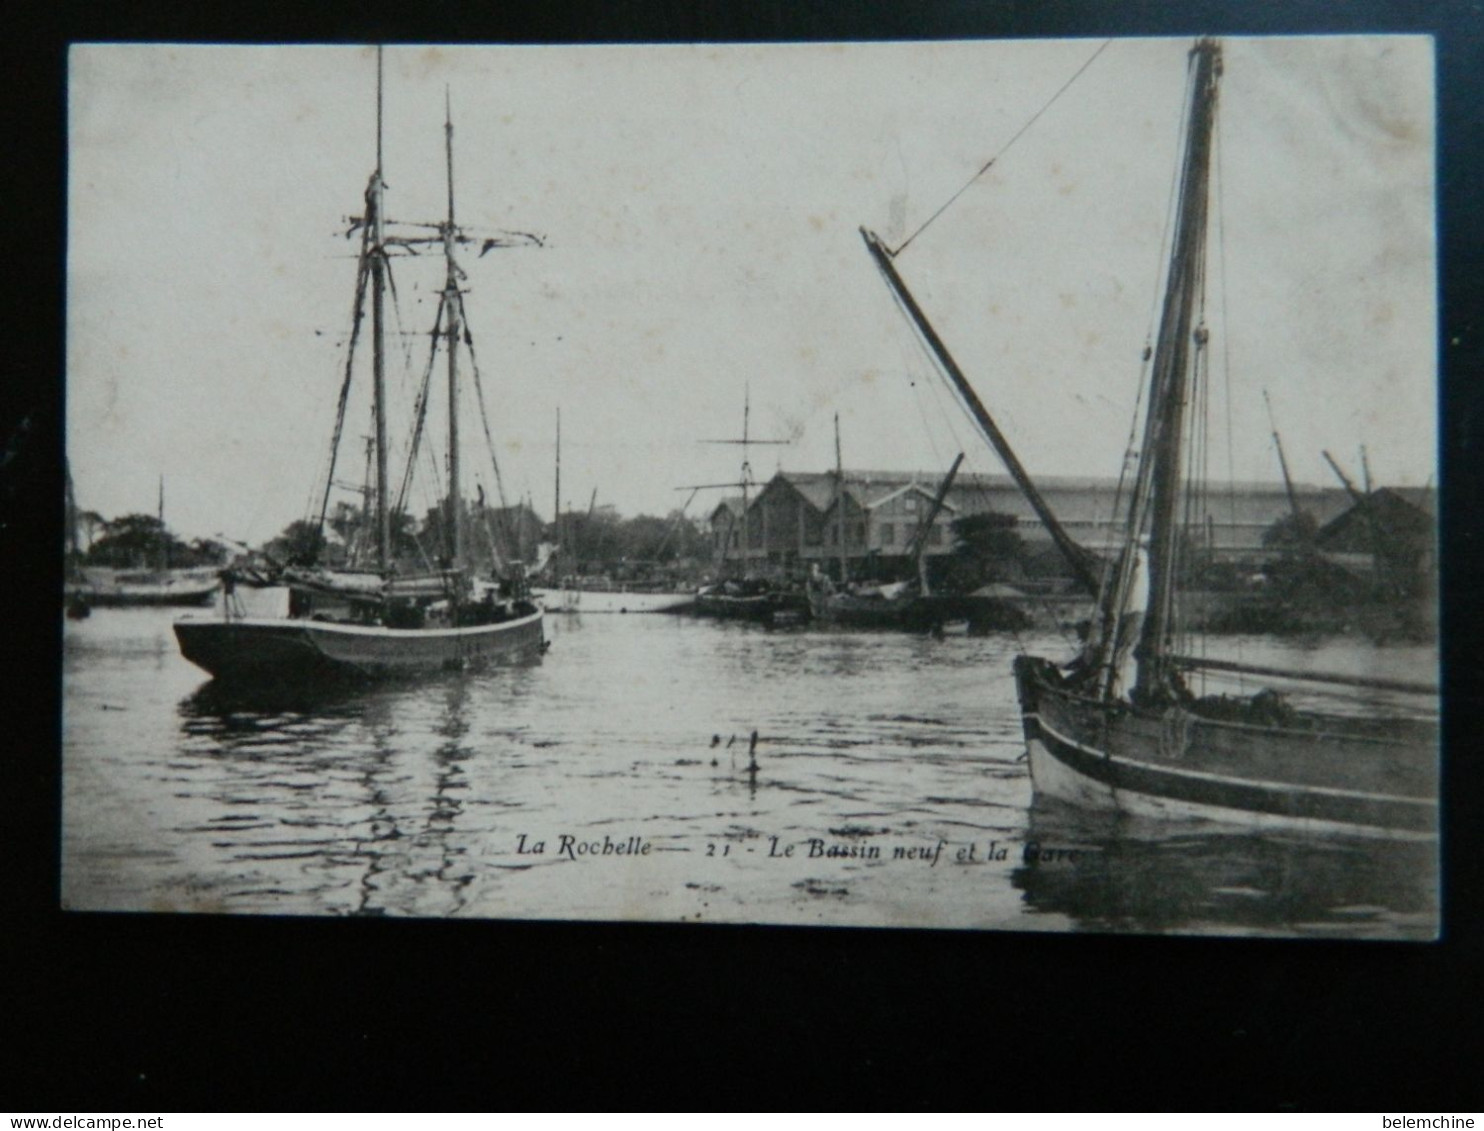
483 412
489 535
979 486
1002 151
484 418
343 350
404 340
917 399
928 430
420 412
934 365
357 315
358 311
1162 264
433 502
422 553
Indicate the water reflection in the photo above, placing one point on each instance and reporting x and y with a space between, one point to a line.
222 701
447 807
412 799
352 788
376 850
1115 873
409 848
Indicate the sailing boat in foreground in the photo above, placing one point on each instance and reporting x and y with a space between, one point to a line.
1119 728
379 623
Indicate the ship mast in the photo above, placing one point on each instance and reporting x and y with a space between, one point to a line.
452 305
840 504
164 538
375 199
746 478
1179 339
746 481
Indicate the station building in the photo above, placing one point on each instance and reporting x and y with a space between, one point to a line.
796 519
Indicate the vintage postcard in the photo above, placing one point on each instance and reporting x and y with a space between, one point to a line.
935 485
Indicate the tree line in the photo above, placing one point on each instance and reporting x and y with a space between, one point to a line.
598 541
141 541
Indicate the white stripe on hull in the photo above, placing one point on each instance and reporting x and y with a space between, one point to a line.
1054 779
603 601
1201 775
287 649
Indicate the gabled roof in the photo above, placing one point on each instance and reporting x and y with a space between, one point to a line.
1424 499
1386 513
867 488
817 487
731 504
911 488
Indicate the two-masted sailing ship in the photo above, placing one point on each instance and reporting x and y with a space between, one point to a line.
382 621
1119 728
747 595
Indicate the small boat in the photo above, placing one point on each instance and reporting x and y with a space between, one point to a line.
91 587
595 595
617 598
125 588
753 599
384 622
1119 728
902 607
908 605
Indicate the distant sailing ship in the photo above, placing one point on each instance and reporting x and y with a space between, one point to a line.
89 587
1118 728
765 600
568 593
378 623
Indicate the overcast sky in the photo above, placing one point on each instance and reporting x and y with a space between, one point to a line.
700 207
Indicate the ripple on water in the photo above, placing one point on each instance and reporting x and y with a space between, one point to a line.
409 800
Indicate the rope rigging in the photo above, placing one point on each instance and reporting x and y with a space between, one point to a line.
358 311
1002 150
420 412
484 418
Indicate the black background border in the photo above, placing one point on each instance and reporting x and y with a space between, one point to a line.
159 1012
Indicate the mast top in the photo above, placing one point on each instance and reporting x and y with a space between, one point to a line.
448 147
1208 46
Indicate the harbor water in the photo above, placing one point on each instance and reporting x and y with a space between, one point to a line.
618 778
